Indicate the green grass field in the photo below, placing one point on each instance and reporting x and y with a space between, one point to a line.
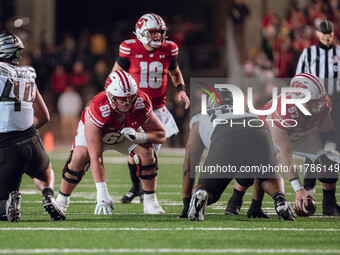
129 231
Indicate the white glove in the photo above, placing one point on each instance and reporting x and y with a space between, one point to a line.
134 136
103 206
104 201
331 152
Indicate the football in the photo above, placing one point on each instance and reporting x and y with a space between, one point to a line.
306 211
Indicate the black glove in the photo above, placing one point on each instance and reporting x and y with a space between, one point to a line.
186 202
255 210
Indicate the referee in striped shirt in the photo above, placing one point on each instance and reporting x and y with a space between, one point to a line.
323 61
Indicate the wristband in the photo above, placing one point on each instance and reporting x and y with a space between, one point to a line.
101 185
143 138
101 190
180 87
296 184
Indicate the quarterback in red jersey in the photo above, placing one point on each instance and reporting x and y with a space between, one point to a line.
311 136
149 59
119 118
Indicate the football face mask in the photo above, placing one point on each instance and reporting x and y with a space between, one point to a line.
151 30
121 91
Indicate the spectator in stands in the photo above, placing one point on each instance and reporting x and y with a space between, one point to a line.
70 105
79 79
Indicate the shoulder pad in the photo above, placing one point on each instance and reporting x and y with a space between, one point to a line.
130 41
30 71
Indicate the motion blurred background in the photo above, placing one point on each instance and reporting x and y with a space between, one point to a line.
73 44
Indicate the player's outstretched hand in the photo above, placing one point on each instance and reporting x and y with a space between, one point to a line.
182 96
104 206
301 196
255 210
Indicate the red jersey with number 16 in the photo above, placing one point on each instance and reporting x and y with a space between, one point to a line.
103 116
150 68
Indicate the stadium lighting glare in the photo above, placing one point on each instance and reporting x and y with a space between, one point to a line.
22 22
18 23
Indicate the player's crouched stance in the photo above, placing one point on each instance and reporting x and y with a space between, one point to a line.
119 118
235 146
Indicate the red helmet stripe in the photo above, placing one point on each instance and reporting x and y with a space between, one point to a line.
315 81
156 18
122 79
126 80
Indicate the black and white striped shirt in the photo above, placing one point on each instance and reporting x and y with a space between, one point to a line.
324 62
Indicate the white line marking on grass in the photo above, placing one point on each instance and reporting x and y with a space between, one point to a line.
218 205
123 160
173 229
170 250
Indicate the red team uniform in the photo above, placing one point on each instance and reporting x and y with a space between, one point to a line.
304 124
102 115
149 69
148 59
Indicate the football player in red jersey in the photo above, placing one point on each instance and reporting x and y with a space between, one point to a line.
311 136
119 118
149 59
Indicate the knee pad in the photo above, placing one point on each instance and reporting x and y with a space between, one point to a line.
245 182
141 168
328 180
79 175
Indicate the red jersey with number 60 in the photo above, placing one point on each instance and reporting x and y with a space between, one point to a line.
150 69
103 116
304 124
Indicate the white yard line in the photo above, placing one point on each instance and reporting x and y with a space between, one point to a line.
170 250
123 160
171 229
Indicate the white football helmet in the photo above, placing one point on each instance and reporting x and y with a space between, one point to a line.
120 85
11 48
315 87
224 95
148 23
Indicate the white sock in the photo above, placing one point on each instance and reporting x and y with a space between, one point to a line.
150 197
63 200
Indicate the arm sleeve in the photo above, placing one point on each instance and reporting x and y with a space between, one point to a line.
123 62
173 64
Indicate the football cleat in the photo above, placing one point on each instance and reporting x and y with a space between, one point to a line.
13 207
283 209
331 210
52 208
151 205
197 205
131 194
232 209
